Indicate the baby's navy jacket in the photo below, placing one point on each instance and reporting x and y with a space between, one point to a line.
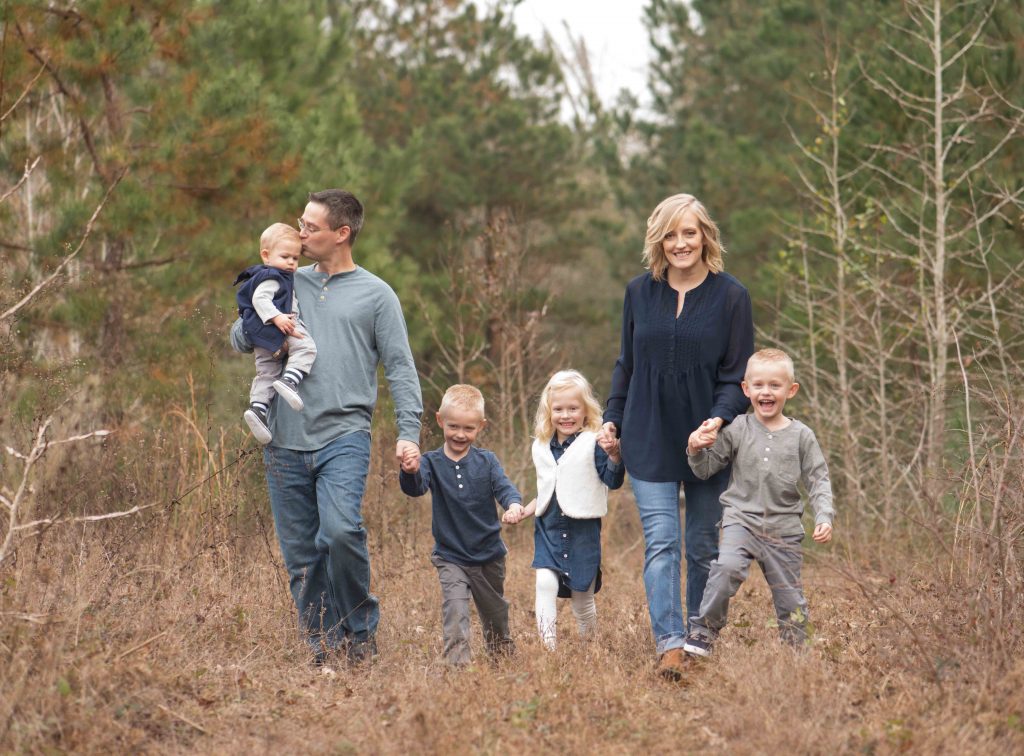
264 335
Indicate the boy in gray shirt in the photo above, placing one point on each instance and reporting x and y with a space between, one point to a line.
761 509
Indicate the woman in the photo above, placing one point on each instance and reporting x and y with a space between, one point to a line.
687 332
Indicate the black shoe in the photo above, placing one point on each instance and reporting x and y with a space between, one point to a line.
288 390
361 652
697 646
256 418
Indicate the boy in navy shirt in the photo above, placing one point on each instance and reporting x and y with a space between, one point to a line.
469 554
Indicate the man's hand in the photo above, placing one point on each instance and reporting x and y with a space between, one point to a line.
408 455
411 460
822 533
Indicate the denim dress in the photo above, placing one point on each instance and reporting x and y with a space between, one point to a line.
569 546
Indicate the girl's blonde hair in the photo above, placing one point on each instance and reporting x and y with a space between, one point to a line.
560 381
665 218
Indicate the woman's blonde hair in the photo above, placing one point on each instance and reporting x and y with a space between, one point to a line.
560 381
665 218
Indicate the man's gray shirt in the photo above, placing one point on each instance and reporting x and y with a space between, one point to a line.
356 321
766 468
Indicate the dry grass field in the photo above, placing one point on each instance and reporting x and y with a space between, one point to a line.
172 631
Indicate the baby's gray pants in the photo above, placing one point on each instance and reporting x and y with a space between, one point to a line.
301 354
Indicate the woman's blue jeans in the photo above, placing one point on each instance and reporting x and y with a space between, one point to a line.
658 504
317 498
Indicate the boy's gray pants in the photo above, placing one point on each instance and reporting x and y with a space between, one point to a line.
780 558
485 583
301 354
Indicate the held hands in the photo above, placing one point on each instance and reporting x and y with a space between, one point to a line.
408 455
822 533
285 324
517 512
705 435
610 444
608 432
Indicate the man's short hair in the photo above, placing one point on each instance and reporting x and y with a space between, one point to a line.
343 209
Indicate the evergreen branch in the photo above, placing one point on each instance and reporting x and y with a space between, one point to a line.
82 125
22 180
28 88
70 256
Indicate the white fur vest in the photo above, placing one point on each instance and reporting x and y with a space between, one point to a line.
573 479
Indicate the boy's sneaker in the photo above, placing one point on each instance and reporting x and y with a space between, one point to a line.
697 646
256 419
287 389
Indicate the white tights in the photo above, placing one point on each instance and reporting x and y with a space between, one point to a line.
583 608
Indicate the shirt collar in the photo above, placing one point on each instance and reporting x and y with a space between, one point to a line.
554 441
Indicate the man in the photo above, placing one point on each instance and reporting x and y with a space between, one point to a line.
318 461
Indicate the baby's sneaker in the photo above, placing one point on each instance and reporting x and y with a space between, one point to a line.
256 418
287 389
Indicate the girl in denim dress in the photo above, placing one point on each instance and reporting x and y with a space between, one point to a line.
574 473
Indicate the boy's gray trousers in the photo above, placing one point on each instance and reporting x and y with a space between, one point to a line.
780 558
485 583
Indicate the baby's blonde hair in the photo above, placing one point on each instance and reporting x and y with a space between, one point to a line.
772 355
560 381
277 233
463 396
665 218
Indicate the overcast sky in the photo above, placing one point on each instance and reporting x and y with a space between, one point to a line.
614 33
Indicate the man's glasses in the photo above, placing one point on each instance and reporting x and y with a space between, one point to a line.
309 228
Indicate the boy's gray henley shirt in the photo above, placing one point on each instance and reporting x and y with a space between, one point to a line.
766 468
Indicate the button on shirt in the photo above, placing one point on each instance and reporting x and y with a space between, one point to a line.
465 521
763 492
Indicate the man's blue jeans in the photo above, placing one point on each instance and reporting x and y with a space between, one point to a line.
659 515
317 500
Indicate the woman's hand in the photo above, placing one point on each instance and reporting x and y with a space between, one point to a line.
705 435
607 433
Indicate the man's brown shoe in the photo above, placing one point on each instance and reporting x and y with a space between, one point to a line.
670 665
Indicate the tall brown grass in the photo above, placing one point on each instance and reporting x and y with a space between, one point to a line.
173 631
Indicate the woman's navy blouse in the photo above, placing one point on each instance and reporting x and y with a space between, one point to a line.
673 373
